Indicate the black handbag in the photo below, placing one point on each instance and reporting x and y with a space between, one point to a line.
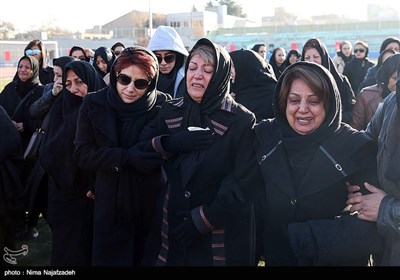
32 150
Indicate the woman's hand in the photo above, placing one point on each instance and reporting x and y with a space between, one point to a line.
57 88
90 195
19 126
366 205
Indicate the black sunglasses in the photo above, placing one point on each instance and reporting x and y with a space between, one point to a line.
169 58
126 80
359 50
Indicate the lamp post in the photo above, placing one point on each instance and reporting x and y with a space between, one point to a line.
150 21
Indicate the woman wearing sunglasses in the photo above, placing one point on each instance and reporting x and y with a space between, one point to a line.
356 69
128 180
37 49
171 54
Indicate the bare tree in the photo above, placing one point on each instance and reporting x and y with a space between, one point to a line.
233 8
5 29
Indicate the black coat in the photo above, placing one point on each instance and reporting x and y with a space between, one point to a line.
11 189
214 187
321 195
70 211
206 183
305 184
124 196
98 149
254 83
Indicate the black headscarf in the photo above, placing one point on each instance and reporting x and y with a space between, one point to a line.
277 69
384 73
198 114
132 111
107 55
289 54
56 153
301 148
254 83
17 90
23 88
387 41
346 93
77 48
216 96
325 58
131 119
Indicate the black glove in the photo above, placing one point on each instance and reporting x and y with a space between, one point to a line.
186 232
188 141
141 160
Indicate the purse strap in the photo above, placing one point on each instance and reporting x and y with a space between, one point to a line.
45 121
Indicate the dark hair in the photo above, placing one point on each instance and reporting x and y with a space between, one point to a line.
62 61
140 58
107 55
42 49
117 44
256 47
314 79
289 54
77 48
389 66
387 41
382 54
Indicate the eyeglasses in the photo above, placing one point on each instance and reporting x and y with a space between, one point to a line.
34 52
117 53
169 58
359 50
126 80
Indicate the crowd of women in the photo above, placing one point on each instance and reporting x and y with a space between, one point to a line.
156 156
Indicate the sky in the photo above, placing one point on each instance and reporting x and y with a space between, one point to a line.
77 16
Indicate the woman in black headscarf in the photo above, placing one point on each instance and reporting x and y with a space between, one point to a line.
370 97
70 211
253 83
25 89
37 185
206 137
79 53
37 49
128 181
102 62
306 156
390 43
316 51
16 98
